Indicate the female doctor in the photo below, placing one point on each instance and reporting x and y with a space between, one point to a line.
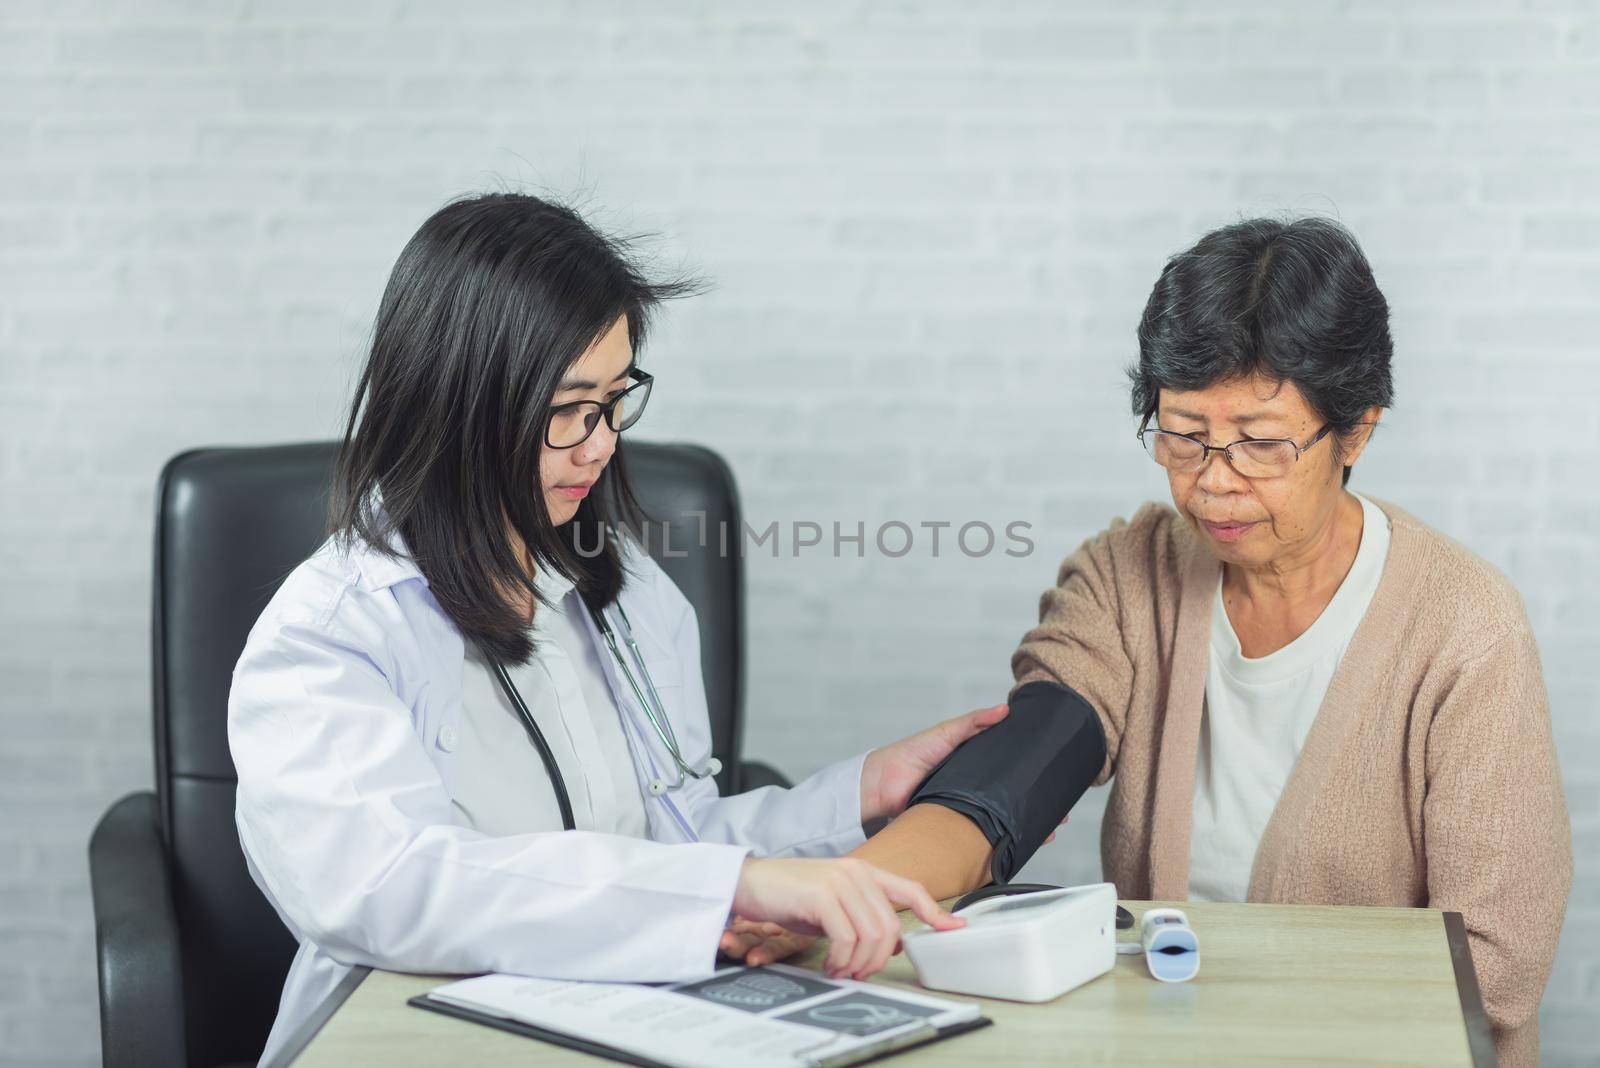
471 730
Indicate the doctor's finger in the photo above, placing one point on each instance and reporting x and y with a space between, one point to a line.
908 893
885 926
976 721
839 931
869 926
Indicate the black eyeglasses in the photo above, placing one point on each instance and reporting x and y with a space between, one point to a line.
1251 457
571 424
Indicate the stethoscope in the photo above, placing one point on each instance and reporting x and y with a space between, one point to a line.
648 699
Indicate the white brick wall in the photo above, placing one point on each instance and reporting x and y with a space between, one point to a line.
932 228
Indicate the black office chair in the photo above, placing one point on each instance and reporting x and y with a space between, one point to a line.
191 956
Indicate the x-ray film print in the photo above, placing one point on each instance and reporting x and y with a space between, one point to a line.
754 989
860 1014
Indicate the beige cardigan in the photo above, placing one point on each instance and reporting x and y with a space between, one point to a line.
1428 777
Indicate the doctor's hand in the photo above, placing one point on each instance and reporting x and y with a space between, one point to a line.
849 901
892 774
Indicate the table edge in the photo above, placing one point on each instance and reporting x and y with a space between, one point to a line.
301 1038
1480 1038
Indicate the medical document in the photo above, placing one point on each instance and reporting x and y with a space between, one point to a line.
738 1018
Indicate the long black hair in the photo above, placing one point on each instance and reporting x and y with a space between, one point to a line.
489 304
1293 300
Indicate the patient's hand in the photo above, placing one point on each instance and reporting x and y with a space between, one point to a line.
761 943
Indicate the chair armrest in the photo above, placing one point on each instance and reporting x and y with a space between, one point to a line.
136 938
753 775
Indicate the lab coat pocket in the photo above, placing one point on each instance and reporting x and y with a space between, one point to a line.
664 670
662 659
667 676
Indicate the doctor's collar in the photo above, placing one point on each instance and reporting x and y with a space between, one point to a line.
550 586
390 563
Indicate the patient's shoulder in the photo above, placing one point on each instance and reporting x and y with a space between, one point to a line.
1155 541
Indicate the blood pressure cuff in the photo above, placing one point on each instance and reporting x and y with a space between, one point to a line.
1017 779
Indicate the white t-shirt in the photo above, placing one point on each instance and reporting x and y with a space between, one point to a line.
1256 717
501 787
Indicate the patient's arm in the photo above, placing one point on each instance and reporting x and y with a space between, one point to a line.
937 846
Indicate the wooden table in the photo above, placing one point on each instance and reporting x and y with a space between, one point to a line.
1278 984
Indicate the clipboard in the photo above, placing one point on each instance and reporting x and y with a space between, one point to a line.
920 1036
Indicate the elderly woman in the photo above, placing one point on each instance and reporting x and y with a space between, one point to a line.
1303 694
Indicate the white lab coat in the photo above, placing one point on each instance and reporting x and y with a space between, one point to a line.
334 719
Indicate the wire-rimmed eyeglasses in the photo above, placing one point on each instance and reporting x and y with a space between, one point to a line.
1250 457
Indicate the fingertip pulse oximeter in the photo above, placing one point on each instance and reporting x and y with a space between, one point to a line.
1171 951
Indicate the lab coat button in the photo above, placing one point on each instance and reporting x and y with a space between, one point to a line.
447 738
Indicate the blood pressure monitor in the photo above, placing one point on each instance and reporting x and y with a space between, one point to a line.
1030 947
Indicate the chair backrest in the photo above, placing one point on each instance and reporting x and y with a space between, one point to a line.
231 524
